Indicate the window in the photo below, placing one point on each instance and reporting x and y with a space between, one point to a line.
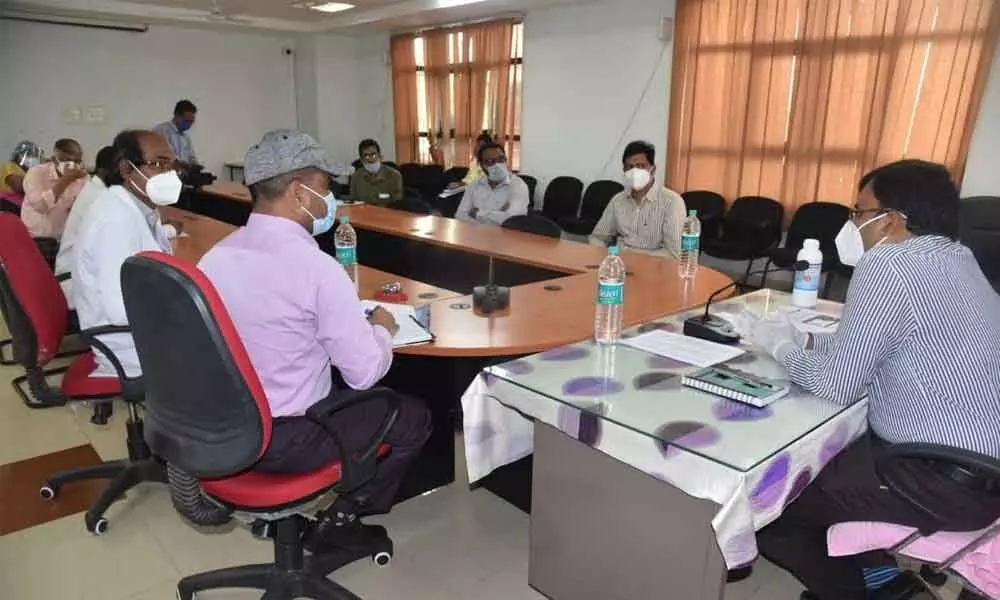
464 81
795 100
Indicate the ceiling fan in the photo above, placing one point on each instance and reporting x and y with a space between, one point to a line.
218 14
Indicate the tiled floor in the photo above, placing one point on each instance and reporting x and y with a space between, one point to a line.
451 544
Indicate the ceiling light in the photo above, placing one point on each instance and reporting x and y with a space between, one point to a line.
331 7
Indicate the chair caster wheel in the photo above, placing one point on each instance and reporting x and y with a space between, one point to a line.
98 527
382 559
47 492
102 412
933 576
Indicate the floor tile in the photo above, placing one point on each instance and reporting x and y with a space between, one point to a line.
27 432
59 560
20 482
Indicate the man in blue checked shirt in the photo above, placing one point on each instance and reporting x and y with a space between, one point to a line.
920 336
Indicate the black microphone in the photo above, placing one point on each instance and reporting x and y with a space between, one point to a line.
714 329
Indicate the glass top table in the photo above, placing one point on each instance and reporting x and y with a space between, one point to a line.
643 392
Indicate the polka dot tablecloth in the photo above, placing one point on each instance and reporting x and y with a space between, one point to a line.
631 405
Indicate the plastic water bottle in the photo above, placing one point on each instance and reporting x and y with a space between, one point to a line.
610 298
806 289
690 245
345 240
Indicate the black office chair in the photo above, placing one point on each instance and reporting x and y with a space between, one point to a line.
411 173
976 471
750 230
532 184
357 164
711 208
562 199
209 418
455 174
534 223
412 204
819 221
979 229
389 163
595 199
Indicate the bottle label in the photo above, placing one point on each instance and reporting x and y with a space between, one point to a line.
690 242
808 280
347 255
609 293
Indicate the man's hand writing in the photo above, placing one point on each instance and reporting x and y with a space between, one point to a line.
384 319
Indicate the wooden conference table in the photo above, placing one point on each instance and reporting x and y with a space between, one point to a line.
438 260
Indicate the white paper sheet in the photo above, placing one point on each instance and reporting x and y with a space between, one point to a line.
694 351
410 330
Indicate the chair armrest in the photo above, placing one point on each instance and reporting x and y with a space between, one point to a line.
900 484
63 277
132 388
357 465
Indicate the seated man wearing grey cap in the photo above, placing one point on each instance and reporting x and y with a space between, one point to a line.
300 318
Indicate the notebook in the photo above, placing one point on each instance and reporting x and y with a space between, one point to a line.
736 385
413 322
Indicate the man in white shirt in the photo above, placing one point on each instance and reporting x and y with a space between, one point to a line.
105 164
122 222
645 216
498 195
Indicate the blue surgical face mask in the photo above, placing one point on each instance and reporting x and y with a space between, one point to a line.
324 224
374 167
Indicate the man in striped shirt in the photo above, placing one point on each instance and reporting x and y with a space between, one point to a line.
645 216
920 336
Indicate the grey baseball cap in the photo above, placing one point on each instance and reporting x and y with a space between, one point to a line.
283 151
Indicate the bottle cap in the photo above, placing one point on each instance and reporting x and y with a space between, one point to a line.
344 220
692 213
811 244
613 250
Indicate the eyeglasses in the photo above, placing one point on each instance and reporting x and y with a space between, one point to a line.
369 155
160 165
489 162
856 213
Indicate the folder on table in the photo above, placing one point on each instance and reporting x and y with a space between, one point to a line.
736 385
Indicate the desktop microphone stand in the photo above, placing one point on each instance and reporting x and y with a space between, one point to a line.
491 297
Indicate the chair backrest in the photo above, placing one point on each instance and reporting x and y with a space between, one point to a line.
389 163
413 204
34 306
532 184
754 218
411 174
597 197
206 411
534 223
562 197
979 229
820 221
455 174
710 205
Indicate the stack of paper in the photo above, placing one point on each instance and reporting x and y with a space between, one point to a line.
410 330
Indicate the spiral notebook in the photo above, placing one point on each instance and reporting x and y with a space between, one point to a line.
736 385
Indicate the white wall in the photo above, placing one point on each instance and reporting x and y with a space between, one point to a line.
242 84
982 171
585 72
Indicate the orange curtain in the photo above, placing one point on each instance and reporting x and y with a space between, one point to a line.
469 83
796 99
404 97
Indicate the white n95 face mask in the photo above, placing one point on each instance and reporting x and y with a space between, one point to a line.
636 179
163 189
850 244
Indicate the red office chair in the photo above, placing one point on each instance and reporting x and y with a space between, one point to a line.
209 418
36 313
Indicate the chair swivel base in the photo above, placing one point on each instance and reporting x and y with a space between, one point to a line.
140 467
292 575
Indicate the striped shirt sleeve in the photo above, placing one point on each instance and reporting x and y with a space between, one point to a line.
841 366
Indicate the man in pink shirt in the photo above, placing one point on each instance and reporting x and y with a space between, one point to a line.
50 189
303 325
